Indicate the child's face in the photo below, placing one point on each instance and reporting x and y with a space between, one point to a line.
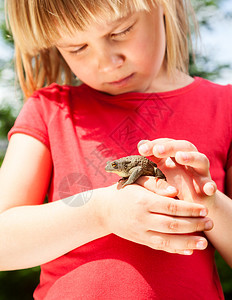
126 55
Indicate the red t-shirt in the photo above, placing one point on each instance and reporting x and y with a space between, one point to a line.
83 129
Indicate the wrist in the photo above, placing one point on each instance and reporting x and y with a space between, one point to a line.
100 209
213 203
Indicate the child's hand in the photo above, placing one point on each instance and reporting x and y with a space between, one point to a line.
183 165
142 216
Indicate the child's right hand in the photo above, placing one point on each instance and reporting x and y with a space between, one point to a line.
142 216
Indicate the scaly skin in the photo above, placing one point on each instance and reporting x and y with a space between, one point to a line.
130 168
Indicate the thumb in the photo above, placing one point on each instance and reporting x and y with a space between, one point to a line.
158 186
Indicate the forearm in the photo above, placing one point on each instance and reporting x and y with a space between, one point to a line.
220 236
33 235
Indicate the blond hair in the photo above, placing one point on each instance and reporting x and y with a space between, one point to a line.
35 28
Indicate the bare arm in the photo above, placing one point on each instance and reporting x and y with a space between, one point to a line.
32 233
221 212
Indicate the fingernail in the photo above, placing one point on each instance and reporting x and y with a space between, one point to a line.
170 163
188 252
203 213
208 225
142 142
201 245
184 156
160 149
171 189
210 188
143 148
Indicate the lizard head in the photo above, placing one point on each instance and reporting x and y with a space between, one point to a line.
119 166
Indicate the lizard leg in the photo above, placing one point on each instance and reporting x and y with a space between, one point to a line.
135 173
159 174
123 179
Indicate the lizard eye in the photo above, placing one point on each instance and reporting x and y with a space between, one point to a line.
114 165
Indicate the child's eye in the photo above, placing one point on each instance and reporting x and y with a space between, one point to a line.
123 33
79 50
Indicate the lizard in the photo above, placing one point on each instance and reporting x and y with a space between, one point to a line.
130 168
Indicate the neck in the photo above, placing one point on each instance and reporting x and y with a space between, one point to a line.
165 82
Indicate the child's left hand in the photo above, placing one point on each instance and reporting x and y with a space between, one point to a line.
185 167
188 171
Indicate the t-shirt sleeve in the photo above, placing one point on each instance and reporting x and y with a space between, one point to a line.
31 121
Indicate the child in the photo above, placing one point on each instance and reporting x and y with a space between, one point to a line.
105 242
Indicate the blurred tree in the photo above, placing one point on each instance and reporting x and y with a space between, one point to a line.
200 65
24 281
10 96
18 285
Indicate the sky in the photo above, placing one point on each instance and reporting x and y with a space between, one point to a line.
5 51
217 43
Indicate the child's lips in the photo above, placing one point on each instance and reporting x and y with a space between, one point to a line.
123 81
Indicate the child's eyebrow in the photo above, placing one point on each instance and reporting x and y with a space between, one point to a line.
111 23
117 21
67 45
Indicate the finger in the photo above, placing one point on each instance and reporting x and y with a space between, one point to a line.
180 244
156 141
158 186
196 160
173 207
204 185
145 147
164 147
180 225
210 188
184 252
200 164
170 148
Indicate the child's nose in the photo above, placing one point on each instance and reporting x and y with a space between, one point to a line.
109 62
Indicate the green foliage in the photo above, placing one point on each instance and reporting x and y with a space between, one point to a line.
225 274
7 110
18 285
7 119
196 69
7 36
